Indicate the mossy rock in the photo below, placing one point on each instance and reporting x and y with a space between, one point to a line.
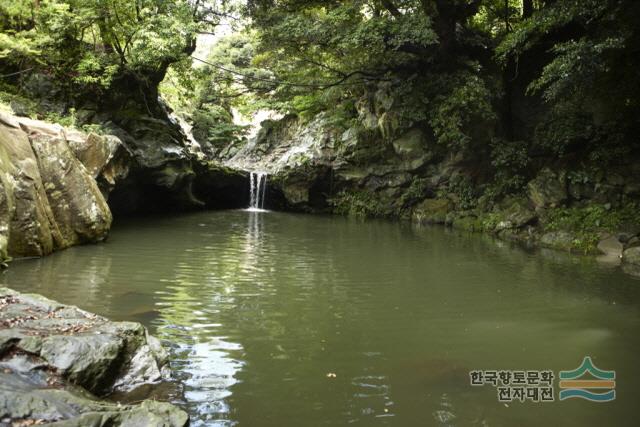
432 211
468 223
562 240
548 189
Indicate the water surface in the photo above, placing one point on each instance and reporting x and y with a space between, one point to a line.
276 319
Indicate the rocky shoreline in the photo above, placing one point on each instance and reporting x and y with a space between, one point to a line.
56 361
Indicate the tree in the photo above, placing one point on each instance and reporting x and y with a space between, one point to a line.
89 41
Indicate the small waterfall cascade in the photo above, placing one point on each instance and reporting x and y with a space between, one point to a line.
257 189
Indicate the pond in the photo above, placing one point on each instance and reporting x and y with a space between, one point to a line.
276 319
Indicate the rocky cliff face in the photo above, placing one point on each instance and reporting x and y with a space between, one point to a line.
378 166
49 199
59 186
167 170
157 167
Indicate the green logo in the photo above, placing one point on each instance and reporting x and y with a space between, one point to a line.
573 387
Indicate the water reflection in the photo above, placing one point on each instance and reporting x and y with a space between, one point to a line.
258 308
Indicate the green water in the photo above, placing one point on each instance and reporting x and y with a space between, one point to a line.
257 309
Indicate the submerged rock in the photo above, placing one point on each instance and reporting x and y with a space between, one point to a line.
54 360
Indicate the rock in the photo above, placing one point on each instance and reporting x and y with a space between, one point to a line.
222 187
520 216
580 190
79 208
611 246
607 194
9 120
366 116
632 189
611 250
631 269
548 189
55 358
6 204
156 153
432 211
467 223
48 199
296 193
37 127
624 236
32 230
388 124
632 242
411 148
83 348
631 256
94 151
557 240
28 399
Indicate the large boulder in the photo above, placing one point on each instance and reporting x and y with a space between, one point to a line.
54 359
6 203
562 240
104 157
632 256
78 206
48 198
81 347
548 189
411 148
32 229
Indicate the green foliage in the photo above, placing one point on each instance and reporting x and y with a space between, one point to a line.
510 160
214 124
590 84
207 94
464 191
361 204
416 192
88 42
592 218
457 111
585 223
549 19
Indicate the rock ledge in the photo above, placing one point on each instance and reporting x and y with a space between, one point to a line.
55 359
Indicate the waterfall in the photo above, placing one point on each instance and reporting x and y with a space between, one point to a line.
257 190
